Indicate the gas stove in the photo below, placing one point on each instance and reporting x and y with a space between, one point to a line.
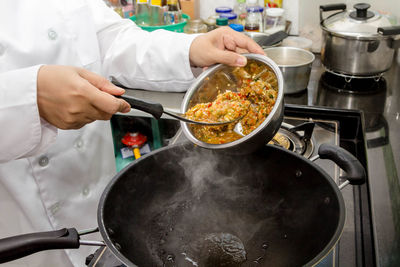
303 130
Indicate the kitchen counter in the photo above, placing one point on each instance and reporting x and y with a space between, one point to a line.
381 109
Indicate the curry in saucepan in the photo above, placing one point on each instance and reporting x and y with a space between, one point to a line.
254 100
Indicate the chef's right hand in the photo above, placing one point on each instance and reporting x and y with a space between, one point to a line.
70 97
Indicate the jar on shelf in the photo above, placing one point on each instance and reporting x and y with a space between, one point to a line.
223 10
211 23
221 22
232 17
195 26
254 19
274 20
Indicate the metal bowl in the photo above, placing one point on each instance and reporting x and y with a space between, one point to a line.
295 64
217 79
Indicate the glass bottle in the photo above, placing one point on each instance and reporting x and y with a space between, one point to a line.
195 26
240 10
156 13
254 18
174 14
142 13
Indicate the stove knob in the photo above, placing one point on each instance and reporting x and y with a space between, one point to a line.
89 259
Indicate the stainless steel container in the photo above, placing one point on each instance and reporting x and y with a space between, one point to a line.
216 80
295 64
359 42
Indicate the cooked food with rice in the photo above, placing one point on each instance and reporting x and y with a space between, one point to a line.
254 100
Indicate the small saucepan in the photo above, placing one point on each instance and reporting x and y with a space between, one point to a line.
295 64
220 78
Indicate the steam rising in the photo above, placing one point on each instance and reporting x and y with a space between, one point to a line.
211 204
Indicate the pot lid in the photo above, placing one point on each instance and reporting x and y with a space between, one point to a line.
357 22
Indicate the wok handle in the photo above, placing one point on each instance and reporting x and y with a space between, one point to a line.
345 160
155 109
15 247
331 7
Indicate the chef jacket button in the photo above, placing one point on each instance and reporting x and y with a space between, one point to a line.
2 49
86 191
79 144
55 208
43 161
52 34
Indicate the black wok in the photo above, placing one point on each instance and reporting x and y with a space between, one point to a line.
183 205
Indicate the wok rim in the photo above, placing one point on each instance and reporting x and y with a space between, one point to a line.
315 260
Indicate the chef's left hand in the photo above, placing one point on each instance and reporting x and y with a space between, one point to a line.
222 45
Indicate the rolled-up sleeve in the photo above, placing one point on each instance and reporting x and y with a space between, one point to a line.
23 133
156 60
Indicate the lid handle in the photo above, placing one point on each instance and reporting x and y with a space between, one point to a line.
331 7
361 12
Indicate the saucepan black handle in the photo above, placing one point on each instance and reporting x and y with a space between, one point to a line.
393 30
331 7
155 109
355 172
15 247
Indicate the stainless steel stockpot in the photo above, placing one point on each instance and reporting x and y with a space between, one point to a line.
295 64
359 42
216 80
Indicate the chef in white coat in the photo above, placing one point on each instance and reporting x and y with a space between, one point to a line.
56 152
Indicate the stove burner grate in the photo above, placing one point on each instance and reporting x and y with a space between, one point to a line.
289 137
338 83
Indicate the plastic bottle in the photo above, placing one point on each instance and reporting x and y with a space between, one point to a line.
142 13
240 10
156 13
237 27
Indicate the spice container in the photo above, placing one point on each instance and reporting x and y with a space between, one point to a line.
222 22
254 19
222 10
274 20
211 24
195 26
232 17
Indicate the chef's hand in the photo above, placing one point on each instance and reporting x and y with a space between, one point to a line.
222 45
70 97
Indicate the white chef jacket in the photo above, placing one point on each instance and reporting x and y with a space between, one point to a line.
49 178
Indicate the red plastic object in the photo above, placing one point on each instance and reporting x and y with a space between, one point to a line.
134 139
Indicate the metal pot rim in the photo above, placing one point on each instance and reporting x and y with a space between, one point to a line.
293 48
355 35
194 87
